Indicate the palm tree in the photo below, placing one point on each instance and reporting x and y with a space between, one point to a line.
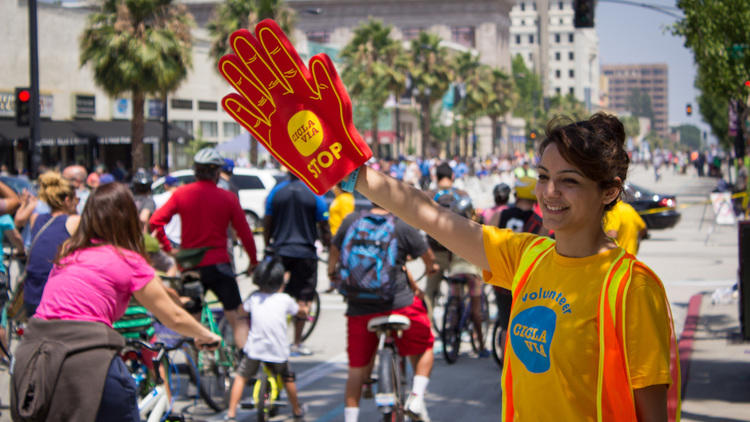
374 69
142 47
232 15
430 68
501 100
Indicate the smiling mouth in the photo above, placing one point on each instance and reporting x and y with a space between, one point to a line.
555 208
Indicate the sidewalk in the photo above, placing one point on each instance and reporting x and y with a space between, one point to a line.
715 363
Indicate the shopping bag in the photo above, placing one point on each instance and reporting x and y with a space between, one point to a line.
302 115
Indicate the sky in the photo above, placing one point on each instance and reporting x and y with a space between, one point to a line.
631 34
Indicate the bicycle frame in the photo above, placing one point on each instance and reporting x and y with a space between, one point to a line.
390 396
265 400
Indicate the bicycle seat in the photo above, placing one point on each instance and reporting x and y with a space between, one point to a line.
389 322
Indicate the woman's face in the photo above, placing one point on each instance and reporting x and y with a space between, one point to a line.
570 201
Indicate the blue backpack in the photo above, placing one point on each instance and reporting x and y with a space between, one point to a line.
368 259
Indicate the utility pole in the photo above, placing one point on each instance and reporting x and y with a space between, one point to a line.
34 147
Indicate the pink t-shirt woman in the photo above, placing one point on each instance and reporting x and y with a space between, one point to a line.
97 288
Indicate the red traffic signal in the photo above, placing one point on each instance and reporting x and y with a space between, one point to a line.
23 106
689 109
747 83
532 135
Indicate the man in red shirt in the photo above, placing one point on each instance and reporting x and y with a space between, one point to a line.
206 212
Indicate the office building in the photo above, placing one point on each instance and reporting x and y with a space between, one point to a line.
651 79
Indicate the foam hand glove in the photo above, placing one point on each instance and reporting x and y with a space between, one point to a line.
303 117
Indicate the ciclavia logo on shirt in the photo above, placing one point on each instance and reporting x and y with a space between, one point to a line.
531 333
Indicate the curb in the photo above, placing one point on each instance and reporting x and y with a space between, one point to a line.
687 340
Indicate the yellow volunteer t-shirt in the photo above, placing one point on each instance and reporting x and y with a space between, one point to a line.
341 206
624 219
553 334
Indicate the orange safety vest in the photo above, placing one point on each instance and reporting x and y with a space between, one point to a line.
614 394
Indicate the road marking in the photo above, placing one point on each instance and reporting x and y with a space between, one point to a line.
336 363
336 411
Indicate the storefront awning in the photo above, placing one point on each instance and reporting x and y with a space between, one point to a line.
78 132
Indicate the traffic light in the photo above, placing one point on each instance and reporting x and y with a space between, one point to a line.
584 13
532 135
689 109
23 106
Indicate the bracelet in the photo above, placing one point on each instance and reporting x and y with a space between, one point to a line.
350 181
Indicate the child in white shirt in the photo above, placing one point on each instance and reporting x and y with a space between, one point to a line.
267 340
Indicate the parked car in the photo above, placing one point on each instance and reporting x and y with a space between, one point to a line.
659 211
253 184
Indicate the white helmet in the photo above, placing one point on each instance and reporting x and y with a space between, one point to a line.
208 156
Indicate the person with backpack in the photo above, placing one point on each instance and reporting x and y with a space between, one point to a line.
501 194
445 195
521 217
371 250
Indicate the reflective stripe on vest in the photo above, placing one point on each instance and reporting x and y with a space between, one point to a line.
614 398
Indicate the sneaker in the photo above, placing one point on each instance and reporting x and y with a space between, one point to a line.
484 353
299 350
416 409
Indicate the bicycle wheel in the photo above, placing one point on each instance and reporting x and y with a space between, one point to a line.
499 334
451 335
439 299
262 397
212 379
389 386
484 326
312 317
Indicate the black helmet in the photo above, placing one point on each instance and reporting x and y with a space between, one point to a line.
501 192
269 274
463 207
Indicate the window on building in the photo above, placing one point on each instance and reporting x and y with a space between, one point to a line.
571 56
523 22
560 5
523 6
209 129
319 36
230 129
557 73
464 35
518 39
85 106
570 37
531 39
557 38
561 21
208 105
571 73
557 90
186 125
180 104
557 56
534 4
572 90
531 57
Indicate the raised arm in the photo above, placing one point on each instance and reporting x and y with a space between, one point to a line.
461 235
9 201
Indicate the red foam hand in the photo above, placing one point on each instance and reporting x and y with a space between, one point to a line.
303 117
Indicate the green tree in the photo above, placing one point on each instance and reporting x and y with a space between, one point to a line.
632 126
639 104
690 136
529 88
430 66
232 15
139 47
374 68
716 32
472 95
567 106
500 99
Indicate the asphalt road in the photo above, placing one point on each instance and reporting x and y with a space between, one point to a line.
687 258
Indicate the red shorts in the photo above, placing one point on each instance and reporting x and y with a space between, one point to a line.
361 344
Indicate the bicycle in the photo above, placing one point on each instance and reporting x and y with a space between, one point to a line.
266 390
12 314
457 318
154 403
391 393
214 368
500 328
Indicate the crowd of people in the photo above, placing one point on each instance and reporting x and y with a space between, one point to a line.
554 220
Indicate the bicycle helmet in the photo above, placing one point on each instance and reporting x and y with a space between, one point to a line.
269 274
501 192
141 182
463 206
208 156
525 187
228 166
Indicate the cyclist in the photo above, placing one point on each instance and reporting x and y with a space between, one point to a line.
70 340
289 227
416 342
445 194
144 201
501 194
225 177
267 342
206 212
